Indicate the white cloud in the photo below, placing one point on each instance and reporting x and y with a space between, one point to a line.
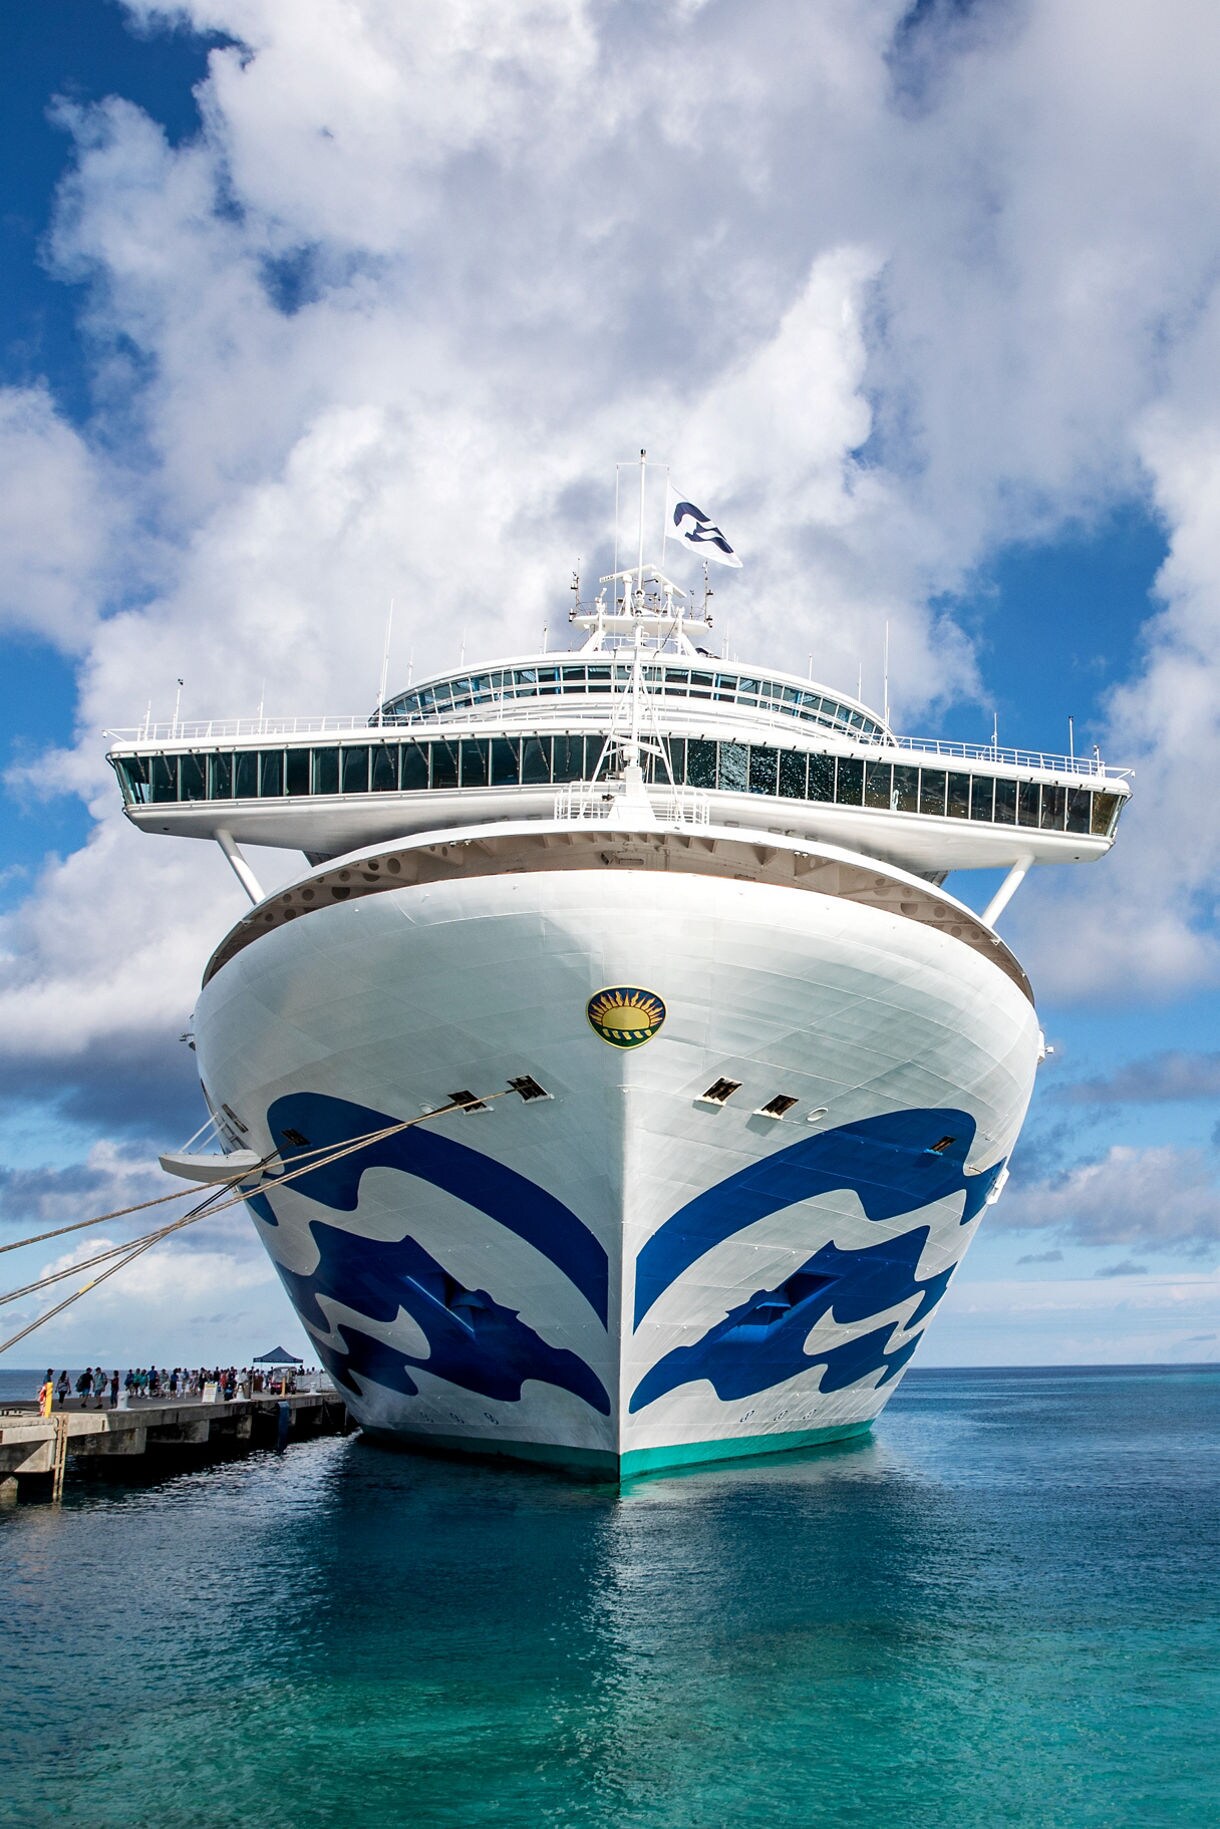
1163 1195
380 330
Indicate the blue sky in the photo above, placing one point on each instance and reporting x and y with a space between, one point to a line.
305 308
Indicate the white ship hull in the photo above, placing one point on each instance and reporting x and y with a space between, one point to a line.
620 1276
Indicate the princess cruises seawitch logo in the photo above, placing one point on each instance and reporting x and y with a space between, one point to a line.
624 1015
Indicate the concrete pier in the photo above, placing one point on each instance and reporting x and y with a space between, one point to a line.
36 1452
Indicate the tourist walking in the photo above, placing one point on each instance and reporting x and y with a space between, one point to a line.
114 1390
46 1393
63 1389
100 1381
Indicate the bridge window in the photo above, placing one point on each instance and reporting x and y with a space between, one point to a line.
957 802
444 765
878 783
473 761
535 761
1105 814
701 763
849 786
385 769
413 768
982 797
1052 808
821 777
906 789
220 776
1078 799
569 763
296 772
1027 803
932 791
355 769
733 767
245 775
764 764
270 773
326 770
505 762
1006 802
793 768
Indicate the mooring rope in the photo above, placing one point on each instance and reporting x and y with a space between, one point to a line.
134 1248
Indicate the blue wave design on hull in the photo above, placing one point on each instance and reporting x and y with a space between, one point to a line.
473 1341
890 1162
762 1343
510 1199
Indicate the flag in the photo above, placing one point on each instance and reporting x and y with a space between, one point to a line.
691 527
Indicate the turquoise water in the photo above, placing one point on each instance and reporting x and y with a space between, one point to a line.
999 1610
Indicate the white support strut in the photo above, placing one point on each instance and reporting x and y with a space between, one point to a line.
1004 894
241 868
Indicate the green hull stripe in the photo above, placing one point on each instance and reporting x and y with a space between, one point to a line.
601 1463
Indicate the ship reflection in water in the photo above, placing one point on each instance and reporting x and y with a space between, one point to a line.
942 1624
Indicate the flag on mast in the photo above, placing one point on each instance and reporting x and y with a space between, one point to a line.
691 527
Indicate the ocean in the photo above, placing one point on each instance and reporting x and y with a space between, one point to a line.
999 1609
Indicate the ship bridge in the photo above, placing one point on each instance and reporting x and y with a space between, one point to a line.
642 710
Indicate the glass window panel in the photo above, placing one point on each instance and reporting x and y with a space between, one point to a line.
701 685
296 771
133 778
163 778
413 768
1105 813
385 768
326 770
569 758
271 773
906 788
764 764
957 803
849 781
505 766
677 758
535 760
1054 801
192 778
700 763
355 769
599 679
444 765
1078 809
1006 802
932 790
747 685
1027 803
982 797
245 775
877 784
220 776
793 767
734 759
474 762
821 777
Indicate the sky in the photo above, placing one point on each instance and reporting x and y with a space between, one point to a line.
308 307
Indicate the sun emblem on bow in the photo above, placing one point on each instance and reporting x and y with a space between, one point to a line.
624 1015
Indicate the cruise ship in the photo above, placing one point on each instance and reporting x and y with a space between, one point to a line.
619 1086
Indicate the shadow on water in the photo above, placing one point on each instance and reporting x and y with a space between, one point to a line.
996 1610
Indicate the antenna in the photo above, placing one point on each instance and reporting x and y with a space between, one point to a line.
1071 741
860 682
995 733
639 569
885 675
177 706
544 634
385 664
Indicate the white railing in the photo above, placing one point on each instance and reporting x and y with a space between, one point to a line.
548 715
592 802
